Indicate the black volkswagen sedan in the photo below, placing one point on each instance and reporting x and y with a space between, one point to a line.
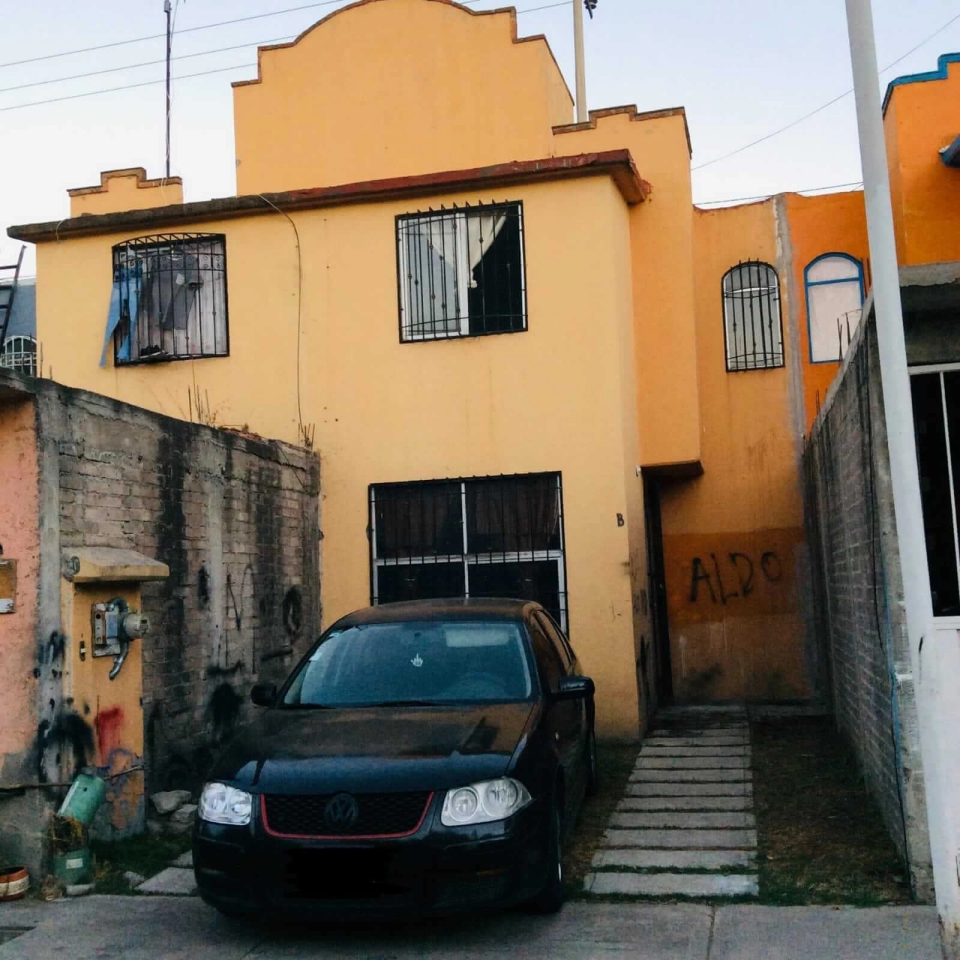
422 758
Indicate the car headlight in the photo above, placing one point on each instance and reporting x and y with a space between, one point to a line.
484 802
222 804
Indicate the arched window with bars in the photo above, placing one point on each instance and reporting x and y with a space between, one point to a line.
752 322
19 353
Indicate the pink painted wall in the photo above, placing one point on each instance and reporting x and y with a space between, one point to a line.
19 537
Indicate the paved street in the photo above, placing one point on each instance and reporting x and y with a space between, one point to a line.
168 928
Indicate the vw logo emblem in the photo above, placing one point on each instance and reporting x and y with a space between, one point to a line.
341 811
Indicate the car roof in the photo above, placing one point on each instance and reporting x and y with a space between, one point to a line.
450 609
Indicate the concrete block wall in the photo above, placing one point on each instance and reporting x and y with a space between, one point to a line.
859 599
236 519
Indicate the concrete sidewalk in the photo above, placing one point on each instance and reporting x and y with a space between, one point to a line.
173 928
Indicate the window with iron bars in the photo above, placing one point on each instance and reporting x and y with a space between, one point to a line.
170 298
19 353
461 272
752 323
480 537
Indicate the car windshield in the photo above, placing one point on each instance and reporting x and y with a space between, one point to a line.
443 662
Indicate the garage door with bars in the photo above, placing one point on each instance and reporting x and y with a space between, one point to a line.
481 537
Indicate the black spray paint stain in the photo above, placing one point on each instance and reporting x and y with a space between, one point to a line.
224 711
203 587
293 611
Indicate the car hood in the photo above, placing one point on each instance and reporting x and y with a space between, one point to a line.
374 749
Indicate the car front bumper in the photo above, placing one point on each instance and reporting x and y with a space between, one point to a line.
437 870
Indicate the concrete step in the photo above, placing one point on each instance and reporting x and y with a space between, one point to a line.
684 741
174 881
683 820
671 884
662 804
701 733
653 762
681 839
673 859
741 788
695 750
701 709
691 776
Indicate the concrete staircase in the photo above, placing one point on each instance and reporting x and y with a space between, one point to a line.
685 827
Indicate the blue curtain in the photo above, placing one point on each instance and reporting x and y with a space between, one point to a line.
123 307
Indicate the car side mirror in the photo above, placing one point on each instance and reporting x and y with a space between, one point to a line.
264 694
574 688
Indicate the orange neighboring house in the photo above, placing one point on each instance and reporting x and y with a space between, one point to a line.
529 363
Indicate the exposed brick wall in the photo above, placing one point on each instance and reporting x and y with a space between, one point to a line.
859 598
235 518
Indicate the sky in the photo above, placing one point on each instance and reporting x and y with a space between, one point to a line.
742 69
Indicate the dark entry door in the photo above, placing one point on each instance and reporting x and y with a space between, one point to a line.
657 582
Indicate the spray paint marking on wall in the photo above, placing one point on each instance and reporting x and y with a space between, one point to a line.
739 568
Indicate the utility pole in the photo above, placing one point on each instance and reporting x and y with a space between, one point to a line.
166 10
582 115
934 654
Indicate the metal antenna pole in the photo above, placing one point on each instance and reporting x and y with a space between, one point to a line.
934 660
582 115
166 10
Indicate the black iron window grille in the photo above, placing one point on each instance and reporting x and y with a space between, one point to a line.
481 537
19 353
170 298
752 323
461 272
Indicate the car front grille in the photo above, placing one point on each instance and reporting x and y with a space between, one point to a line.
379 815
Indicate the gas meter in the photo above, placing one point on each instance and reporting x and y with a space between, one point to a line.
114 625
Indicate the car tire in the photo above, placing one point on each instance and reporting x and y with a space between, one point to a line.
593 773
551 898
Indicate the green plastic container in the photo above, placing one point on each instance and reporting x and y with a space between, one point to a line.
83 799
73 867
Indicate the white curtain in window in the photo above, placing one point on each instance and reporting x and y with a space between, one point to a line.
432 275
834 301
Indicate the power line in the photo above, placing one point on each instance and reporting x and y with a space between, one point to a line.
224 23
767 196
823 106
145 63
129 86
185 56
157 36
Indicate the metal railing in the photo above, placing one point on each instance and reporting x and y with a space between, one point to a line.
752 321
461 272
479 537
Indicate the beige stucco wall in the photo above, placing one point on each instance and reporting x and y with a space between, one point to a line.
347 102
555 398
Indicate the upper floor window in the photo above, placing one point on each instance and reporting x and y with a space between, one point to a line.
169 298
19 353
461 272
753 329
834 299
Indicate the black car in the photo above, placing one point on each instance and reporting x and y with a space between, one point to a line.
422 758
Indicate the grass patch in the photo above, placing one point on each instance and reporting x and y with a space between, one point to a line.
821 836
615 762
145 855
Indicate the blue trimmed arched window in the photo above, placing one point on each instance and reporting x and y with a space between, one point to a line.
834 288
